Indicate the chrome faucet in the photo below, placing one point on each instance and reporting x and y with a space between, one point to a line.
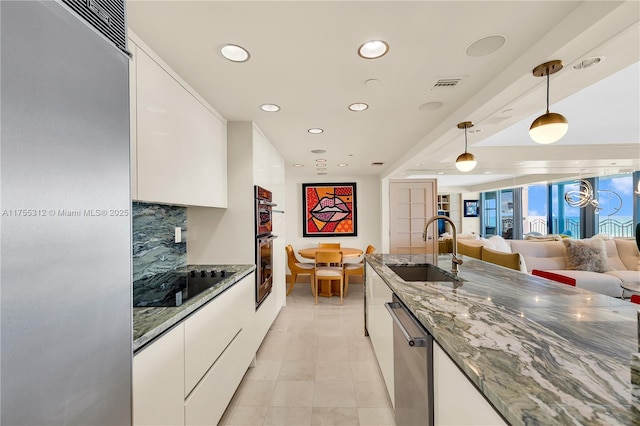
455 260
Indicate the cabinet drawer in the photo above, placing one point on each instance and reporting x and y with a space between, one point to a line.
207 402
213 327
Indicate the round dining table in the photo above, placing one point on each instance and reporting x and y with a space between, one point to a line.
310 253
329 288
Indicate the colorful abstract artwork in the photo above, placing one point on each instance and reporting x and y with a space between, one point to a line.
329 209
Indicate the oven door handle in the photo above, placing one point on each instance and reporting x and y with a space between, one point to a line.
267 238
266 203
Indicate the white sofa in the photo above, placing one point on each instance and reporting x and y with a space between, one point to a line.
623 259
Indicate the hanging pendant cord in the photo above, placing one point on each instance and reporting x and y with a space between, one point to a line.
547 91
465 138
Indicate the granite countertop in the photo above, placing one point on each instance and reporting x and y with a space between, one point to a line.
542 352
149 323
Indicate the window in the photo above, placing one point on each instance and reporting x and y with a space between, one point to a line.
615 204
564 218
535 209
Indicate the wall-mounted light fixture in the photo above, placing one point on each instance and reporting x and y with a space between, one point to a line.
549 127
465 161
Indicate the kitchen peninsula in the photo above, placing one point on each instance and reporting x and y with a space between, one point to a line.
539 352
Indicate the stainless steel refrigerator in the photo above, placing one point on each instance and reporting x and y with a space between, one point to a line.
65 260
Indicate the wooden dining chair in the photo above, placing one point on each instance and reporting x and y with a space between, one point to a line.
298 268
329 246
328 268
355 269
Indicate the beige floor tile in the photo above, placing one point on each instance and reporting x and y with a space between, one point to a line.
283 416
254 393
298 370
333 371
334 394
365 371
333 353
370 394
247 416
264 370
361 353
334 416
293 393
300 352
375 417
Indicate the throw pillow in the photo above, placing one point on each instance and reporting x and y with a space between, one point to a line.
586 255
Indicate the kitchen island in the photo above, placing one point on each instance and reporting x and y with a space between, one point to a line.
540 352
151 322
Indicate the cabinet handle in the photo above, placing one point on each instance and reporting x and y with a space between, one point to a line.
417 341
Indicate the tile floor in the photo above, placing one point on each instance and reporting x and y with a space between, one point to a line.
315 367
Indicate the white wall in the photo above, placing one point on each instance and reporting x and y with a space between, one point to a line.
227 236
469 224
367 211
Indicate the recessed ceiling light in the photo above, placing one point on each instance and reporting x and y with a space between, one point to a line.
321 169
373 49
322 173
234 53
588 63
358 106
372 82
270 107
440 173
298 165
417 165
315 131
485 46
321 160
343 164
318 151
430 106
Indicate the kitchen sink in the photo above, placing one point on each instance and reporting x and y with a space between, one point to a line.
424 272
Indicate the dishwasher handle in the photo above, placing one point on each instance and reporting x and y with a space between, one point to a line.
417 341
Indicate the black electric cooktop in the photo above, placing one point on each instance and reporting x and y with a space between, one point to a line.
174 288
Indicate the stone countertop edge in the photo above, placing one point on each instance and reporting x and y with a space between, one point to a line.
541 352
150 323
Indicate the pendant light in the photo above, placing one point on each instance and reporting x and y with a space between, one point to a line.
466 161
549 127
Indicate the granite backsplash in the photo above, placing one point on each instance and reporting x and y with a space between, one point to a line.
154 247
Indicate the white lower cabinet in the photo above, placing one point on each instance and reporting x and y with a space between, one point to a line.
213 327
189 375
380 326
158 381
457 402
208 401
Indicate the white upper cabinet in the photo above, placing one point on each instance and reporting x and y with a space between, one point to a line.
180 142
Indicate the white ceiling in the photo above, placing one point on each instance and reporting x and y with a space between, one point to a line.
303 58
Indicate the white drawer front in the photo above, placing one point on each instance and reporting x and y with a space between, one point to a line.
211 329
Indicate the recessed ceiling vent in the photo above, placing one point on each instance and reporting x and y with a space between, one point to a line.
377 163
446 82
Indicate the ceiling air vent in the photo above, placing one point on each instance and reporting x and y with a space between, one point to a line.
377 163
446 82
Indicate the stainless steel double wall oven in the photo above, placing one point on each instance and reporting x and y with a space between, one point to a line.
264 243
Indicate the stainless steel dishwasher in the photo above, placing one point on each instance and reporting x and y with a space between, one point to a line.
412 368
